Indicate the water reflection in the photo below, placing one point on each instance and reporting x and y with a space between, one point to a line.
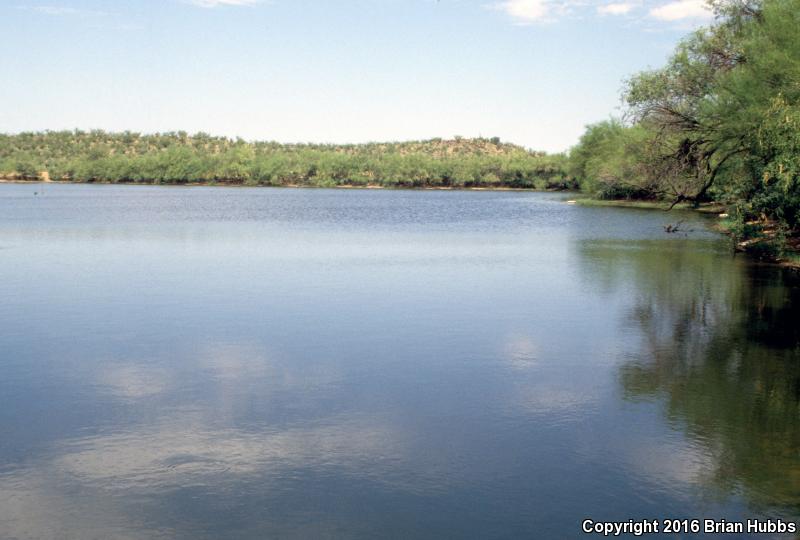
176 467
717 347
220 363
183 451
132 381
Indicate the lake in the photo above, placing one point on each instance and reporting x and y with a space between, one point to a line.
218 362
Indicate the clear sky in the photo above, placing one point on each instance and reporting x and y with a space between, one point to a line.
532 72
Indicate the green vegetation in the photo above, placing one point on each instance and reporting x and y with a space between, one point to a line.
609 162
720 122
179 158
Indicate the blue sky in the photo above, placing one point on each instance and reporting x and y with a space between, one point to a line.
533 72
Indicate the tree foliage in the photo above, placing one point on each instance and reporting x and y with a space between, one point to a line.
720 120
609 161
179 158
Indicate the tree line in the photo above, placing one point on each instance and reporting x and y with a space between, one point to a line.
719 122
180 158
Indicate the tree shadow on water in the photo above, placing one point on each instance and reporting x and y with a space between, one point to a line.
715 341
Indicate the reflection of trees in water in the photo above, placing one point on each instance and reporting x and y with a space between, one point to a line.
720 346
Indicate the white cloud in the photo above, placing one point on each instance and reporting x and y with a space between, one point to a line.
526 11
615 9
534 11
682 9
217 3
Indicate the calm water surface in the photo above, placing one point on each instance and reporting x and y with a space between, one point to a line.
252 363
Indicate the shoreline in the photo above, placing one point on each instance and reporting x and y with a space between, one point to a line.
757 248
705 208
293 186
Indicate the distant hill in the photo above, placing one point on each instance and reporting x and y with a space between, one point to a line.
180 158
